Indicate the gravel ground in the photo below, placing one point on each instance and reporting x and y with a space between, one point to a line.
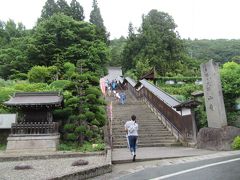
46 169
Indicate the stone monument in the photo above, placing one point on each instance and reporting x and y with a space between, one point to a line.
216 115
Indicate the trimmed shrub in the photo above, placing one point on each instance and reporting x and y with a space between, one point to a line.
60 84
69 127
236 143
90 116
80 129
71 137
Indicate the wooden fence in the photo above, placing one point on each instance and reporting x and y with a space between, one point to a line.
34 128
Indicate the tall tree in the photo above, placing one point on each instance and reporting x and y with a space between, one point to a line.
60 38
77 10
96 19
63 7
157 42
49 9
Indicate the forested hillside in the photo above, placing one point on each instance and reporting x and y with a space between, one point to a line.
220 50
61 53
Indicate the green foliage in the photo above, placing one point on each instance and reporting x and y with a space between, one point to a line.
91 98
73 118
59 39
71 137
101 118
76 10
142 67
72 102
3 147
19 76
42 74
60 84
230 78
69 70
184 90
35 87
116 49
62 113
69 128
90 116
5 93
220 50
93 90
156 45
236 143
89 133
96 19
86 147
95 122
49 9
80 129
60 53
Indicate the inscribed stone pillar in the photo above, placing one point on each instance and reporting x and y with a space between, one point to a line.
216 115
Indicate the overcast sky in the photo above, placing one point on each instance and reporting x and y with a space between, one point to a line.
201 19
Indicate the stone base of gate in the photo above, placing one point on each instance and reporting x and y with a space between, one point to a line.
32 143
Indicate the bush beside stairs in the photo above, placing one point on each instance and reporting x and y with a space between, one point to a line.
152 132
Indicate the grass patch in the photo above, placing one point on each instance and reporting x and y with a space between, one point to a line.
3 147
86 147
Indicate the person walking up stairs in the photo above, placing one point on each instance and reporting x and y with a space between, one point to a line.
151 132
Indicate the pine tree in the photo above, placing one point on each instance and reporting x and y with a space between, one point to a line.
77 10
49 9
64 7
96 19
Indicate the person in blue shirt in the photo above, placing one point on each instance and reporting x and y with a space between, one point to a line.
122 97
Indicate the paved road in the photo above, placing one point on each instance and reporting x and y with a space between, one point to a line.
113 73
152 169
223 168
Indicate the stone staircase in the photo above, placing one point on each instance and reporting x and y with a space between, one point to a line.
152 132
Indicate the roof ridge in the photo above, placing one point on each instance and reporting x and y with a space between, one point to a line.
47 93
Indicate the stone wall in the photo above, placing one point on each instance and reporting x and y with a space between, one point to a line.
219 139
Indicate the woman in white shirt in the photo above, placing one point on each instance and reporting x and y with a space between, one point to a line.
131 128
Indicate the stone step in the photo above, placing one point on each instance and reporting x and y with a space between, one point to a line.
146 140
150 145
146 134
143 141
162 135
140 119
140 115
142 124
142 131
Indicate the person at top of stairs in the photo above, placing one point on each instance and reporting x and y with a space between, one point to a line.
131 128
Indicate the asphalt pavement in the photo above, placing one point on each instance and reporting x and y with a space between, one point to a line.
123 155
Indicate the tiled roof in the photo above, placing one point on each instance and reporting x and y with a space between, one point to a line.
131 81
35 98
168 99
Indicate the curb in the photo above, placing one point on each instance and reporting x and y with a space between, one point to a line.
90 173
219 153
147 159
24 157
